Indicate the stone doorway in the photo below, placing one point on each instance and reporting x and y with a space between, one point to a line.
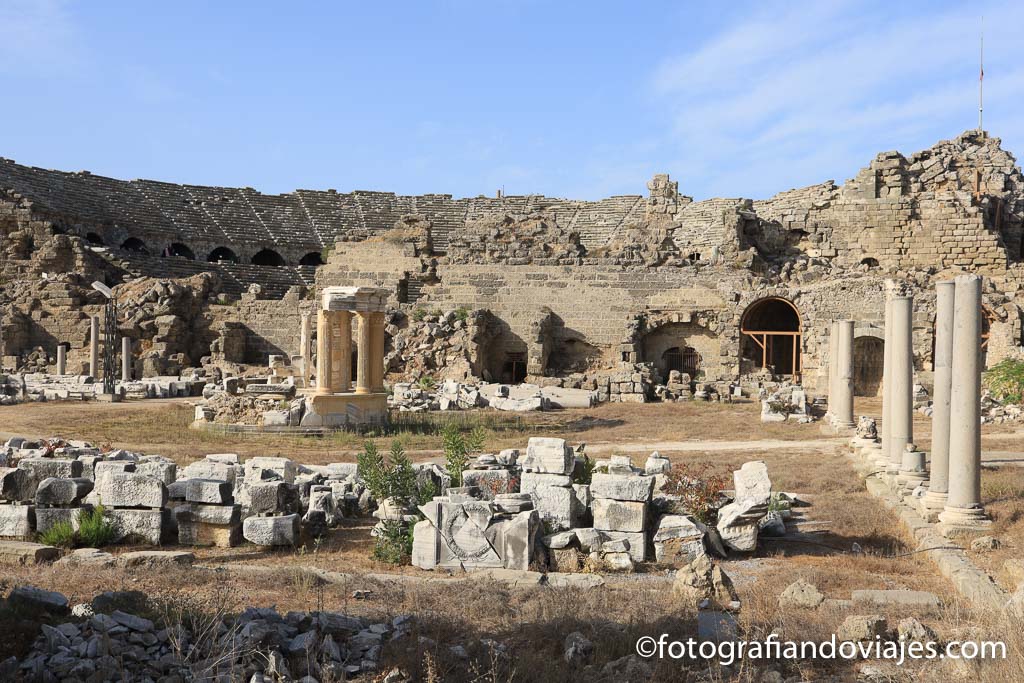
770 336
868 361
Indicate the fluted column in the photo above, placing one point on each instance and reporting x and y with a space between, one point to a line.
126 359
344 327
365 357
901 394
323 353
938 481
62 359
377 347
963 505
94 346
842 415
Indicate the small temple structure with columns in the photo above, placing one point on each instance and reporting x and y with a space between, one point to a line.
333 401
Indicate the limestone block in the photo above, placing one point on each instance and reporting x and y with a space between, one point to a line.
131 490
62 492
424 545
272 497
208 469
626 487
209 525
590 539
34 599
17 521
105 468
637 543
556 505
657 464
25 553
272 531
617 515
678 539
208 491
531 481
48 517
752 483
490 482
548 456
282 467
17 484
275 418
42 468
155 559
144 526
164 470
519 539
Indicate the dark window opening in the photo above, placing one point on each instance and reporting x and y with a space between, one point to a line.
313 258
513 371
134 245
869 262
222 255
179 250
268 257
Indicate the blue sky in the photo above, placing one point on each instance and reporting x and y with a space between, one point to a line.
571 99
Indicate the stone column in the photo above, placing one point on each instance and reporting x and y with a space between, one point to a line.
365 357
344 325
842 415
833 346
337 344
126 359
901 395
377 346
963 505
938 485
323 353
883 456
62 359
94 346
304 347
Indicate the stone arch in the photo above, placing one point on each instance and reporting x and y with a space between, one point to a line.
135 245
572 353
180 250
505 357
267 257
222 254
313 258
869 261
770 336
868 364
684 346
95 239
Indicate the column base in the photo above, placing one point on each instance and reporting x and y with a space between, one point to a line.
932 504
343 410
957 522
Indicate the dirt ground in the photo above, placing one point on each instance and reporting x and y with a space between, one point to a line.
533 622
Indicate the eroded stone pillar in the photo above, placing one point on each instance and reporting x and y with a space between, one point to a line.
842 416
883 456
377 348
62 359
323 353
833 346
963 505
126 359
364 359
344 324
901 395
94 346
938 485
305 327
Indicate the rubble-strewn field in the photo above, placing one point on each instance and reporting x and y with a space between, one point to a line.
482 627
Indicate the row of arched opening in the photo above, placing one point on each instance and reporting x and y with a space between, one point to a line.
264 257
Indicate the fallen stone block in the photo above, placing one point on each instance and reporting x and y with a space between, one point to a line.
23 553
490 482
156 558
145 526
92 557
548 456
17 485
43 468
617 515
36 599
556 505
272 497
158 468
637 542
17 521
621 487
210 468
208 491
272 531
47 518
801 594
282 467
62 492
131 490
678 539
531 481
209 525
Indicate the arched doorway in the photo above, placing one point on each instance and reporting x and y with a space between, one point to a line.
135 245
679 346
180 250
222 255
267 257
686 360
868 363
770 336
313 258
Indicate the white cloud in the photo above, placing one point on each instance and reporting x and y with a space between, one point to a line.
786 99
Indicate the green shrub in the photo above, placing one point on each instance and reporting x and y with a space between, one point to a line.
418 314
392 477
456 453
586 475
462 313
393 543
371 468
61 535
94 529
1005 381
426 382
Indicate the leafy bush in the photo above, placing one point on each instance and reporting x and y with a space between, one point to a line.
586 475
426 382
94 529
392 479
371 468
393 543
61 535
461 313
699 489
1005 381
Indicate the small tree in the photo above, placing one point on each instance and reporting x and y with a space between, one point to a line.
456 453
372 469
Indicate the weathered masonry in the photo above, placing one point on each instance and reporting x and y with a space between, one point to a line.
560 291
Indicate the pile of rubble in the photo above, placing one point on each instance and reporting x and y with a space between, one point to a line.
452 395
104 640
787 403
